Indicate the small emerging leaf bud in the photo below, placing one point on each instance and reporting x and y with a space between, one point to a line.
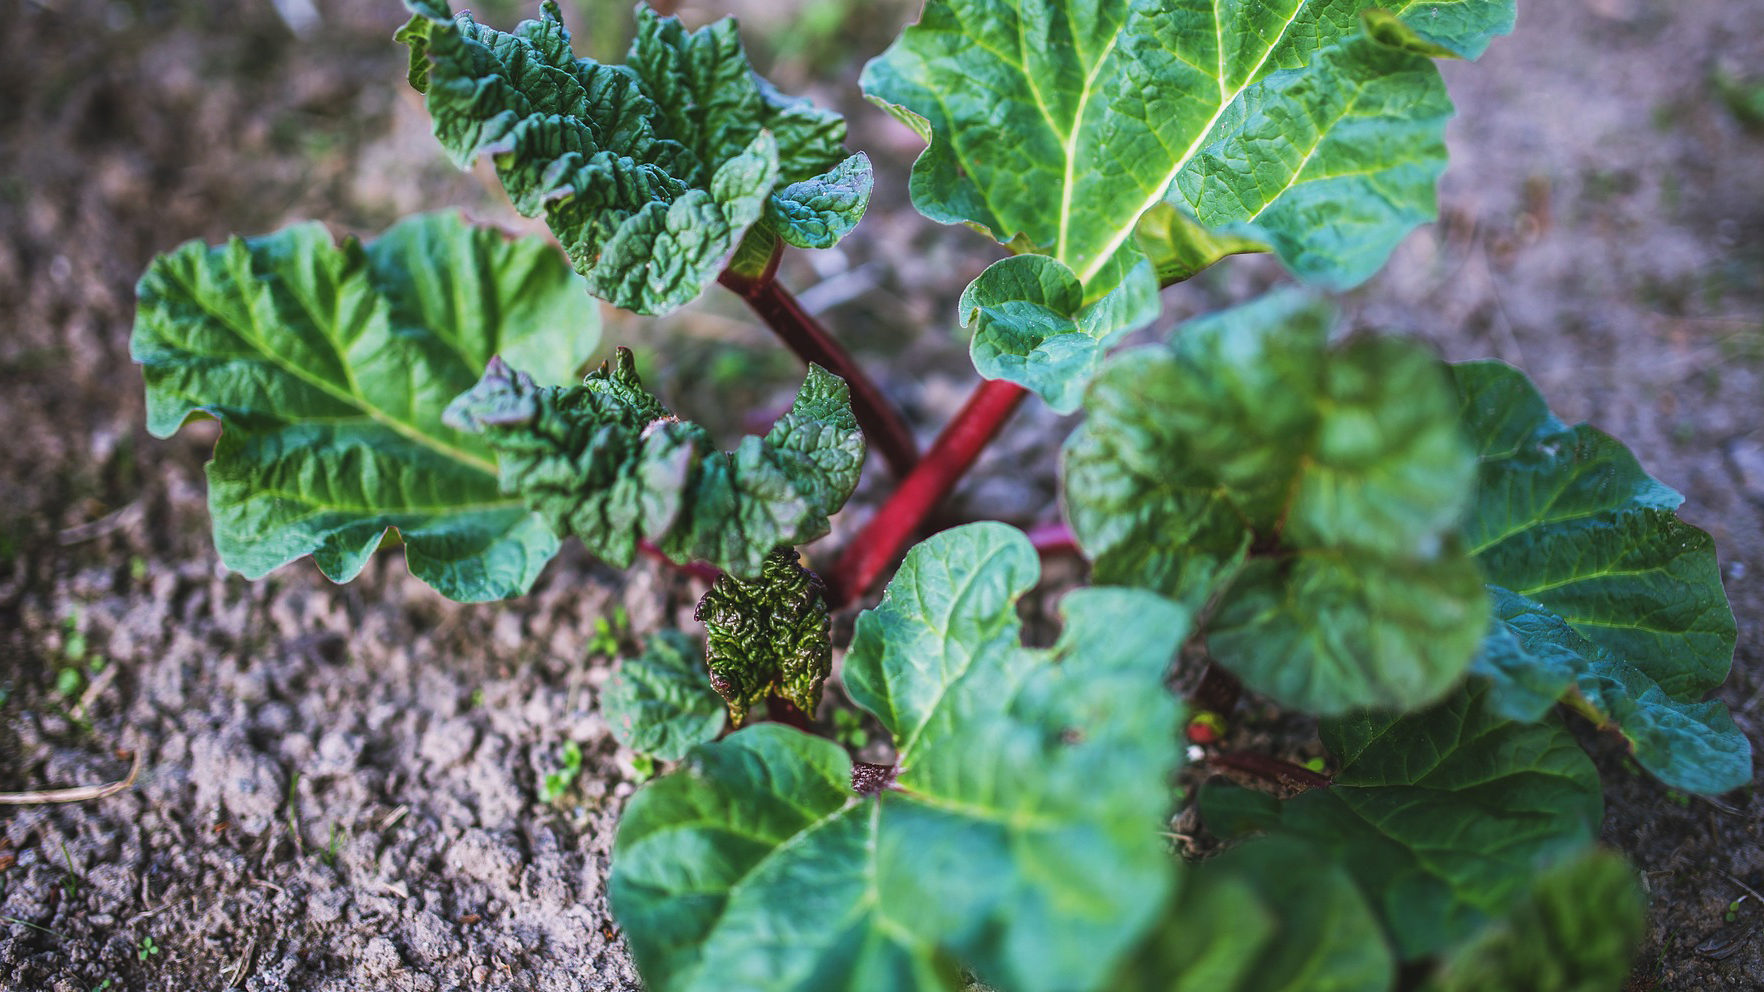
768 636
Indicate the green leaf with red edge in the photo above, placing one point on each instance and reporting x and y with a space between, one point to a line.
1018 838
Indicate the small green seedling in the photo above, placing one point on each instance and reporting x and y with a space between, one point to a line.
72 881
643 766
557 782
146 949
334 846
68 681
608 636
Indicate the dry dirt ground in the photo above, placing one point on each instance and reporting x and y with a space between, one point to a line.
339 784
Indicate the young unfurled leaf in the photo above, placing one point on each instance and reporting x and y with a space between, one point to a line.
329 366
648 173
607 462
1313 490
1575 931
1276 915
1056 126
768 635
1019 839
1598 585
1032 326
660 703
1443 817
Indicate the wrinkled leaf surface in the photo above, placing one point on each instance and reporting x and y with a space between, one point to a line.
1310 490
1019 838
329 367
607 462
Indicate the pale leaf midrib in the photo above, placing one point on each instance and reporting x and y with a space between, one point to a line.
1121 235
352 396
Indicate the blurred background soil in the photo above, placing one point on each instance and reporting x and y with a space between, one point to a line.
340 784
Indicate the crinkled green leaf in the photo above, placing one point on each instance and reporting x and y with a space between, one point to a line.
1598 584
607 462
661 703
648 173
1017 838
1532 657
1565 516
1273 916
1055 126
329 367
1443 817
1575 931
819 211
1311 491
1032 326
768 635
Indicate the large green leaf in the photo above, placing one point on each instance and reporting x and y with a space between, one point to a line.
1598 585
1575 931
1017 835
1273 916
661 703
1311 490
607 462
1443 817
1532 657
648 173
1056 126
329 367
768 635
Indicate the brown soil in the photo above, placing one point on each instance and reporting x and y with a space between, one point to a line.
339 784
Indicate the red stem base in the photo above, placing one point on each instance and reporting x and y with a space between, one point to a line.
950 457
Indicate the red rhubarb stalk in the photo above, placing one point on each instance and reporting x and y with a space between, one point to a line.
1271 769
697 569
886 535
884 426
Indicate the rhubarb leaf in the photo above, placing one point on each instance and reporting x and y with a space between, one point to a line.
660 703
1032 327
1057 126
768 635
1311 490
1598 585
1018 838
648 173
1273 916
1575 931
329 366
607 462
1443 817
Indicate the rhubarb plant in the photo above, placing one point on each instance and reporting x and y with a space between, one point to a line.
1420 555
